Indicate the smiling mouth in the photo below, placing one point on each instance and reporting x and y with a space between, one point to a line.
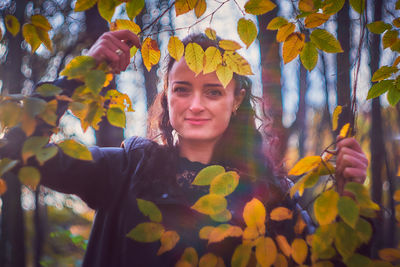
196 121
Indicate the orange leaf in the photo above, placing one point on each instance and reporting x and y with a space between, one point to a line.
184 6
200 8
389 254
229 45
3 187
315 20
285 31
281 213
283 245
150 53
300 225
280 261
168 241
292 46
208 260
306 5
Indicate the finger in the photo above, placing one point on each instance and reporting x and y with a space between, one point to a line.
355 175
348 151
349 161
349 142
128 36
125 56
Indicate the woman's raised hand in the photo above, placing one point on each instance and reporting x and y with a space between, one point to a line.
114 48
351 163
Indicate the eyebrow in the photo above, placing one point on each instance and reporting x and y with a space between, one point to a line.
205 85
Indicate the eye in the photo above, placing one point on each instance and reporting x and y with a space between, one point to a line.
214 92
181 90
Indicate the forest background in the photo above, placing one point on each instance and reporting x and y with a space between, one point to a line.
45 228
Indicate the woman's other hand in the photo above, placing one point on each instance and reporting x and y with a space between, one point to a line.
114 48
351 163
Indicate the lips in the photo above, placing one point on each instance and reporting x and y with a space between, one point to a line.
196 121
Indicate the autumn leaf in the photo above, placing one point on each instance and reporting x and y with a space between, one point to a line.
325 207
124 24
3 187
331 7
168 239
305 165
210 33
389 254
189 256
1 34
6 165
266 251
393 96
223 216
259 7
150 53
247 31
94 80
348 211
284 31
254 214
300 225
134 7
146 232
237 63
335 117
149 209
12 24
281 213
229 45
107 8
281 261
224 74
225 183
380 88
358 5
213 58
82 5
363 230
389 38
205 231
383 73
345 130
116 116
29 176
78 67
396 195
325 41
223 231
292 46
208 260
200 8
45 154
48 89
31 36
207 174
32 145
299 250
175 48
357 260
184 6
315 20
276 23
346 240
75 150
194 57
378 27
283 245
210 204
241 256
362 195
309 56
41 22
45 38
306 5
10 114
396 22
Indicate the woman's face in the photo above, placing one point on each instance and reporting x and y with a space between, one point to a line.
199 106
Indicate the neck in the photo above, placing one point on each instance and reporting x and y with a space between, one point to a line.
200 151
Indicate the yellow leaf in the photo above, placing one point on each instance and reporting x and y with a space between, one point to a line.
300 225
210 204
309 56
146 232
12 24
205 231
250 233
325 207
229 45
175 48
389 254
276 23
315 20
395 63
396 195
284 31
29 176
78 67
283 245
10 114
345 130
211 34
124 24
75 150
213 58
259 7
362 195
28 124
149 209
150 53
41 22
3 187
292 46
224 74
45 38
207 174
280 261
184 6
325 41
223 216
189 256
335 117
398 171
241 256
31 36
82 5
107 8
208 260
168 241
237 63
299 250
194 56
281 213
306 5
247 31
389 38
254 214
266 251
305 165
200 8
223 231
225 183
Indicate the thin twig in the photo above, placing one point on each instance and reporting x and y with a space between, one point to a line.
157 19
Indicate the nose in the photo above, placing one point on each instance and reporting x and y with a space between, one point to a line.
196 105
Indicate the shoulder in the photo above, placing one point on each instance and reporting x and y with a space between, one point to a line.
137 142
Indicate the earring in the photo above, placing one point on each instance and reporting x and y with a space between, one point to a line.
234 112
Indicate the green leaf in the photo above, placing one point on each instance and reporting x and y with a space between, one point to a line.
241 256
389 38
223 216
325 207
357 260
34 106
78 67
206 175
331 7
383 73
325 41
364 230
346 240
276 23
10 114
48 89
322 240
134 7
190 256
358 5
82 5
75 150
225 183
46 153
116 117
397 6
210 204
309 56
94 80
259 7
107 8
146 232
149 209
32 146
247 31
393 96
348 211
362 195
29 176
380 88
6 164
378 27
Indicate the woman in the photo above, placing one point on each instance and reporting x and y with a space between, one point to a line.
200 123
